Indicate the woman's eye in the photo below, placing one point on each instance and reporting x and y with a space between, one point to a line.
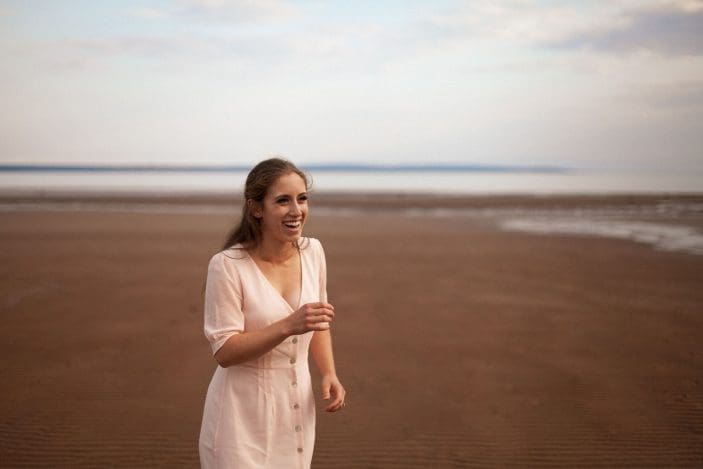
303 198
282 201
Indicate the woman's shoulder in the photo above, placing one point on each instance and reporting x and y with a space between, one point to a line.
228 259
312 248
312 244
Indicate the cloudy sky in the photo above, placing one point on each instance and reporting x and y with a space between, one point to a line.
612 83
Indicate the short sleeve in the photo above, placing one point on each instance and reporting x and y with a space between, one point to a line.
223 302
323 272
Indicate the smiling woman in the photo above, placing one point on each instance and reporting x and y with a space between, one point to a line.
265 307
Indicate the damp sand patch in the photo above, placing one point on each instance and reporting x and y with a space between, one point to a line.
663 237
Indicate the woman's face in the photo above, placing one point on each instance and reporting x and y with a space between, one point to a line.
284 209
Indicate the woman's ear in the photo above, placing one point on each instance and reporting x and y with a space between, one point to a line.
254 208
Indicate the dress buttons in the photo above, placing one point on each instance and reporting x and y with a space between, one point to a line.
300 450
296 406
294 383
298 428
295 340
292 361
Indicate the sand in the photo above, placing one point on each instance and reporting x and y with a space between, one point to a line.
460 345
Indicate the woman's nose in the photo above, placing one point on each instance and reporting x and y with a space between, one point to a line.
295 208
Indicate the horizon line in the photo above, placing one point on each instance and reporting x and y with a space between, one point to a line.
323 167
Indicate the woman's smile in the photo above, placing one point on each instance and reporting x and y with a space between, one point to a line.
284 209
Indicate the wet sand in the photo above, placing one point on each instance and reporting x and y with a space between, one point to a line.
460 345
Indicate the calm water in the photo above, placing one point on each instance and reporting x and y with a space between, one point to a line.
577 182
666 226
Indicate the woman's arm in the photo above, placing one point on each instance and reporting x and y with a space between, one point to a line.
321 349
245 346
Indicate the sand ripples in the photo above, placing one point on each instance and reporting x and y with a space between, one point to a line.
65 439
510 447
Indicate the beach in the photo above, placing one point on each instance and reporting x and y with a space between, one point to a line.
462 340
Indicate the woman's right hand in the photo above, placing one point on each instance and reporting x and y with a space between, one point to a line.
311 317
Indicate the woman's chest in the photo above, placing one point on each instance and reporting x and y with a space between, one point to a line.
266 299
285 280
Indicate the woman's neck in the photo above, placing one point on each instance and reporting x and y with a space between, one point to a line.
274 252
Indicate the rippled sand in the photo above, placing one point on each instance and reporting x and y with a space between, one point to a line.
461 345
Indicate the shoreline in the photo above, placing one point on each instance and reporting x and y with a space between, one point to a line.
667 222
366 199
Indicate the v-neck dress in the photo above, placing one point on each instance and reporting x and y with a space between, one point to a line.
261 413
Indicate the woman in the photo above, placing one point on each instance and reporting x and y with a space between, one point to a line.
265 306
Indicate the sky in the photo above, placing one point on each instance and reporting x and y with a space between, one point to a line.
584 84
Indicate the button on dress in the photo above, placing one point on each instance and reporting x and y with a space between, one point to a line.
261 413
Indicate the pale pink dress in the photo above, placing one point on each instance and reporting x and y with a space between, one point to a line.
259 414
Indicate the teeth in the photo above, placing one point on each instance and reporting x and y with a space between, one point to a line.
292 224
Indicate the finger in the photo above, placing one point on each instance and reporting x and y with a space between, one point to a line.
332 408
324 310
338 401
315 318
335 405
318 326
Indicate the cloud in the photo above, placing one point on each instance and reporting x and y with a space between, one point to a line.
667 29
676 97
526 21
75 54
663 26
148 13
221 11
6 12
234 11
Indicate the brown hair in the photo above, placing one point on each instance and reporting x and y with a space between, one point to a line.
247 232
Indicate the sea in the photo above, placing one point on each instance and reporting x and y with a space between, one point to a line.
415 180
666 226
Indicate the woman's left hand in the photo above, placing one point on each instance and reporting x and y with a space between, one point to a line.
333 389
